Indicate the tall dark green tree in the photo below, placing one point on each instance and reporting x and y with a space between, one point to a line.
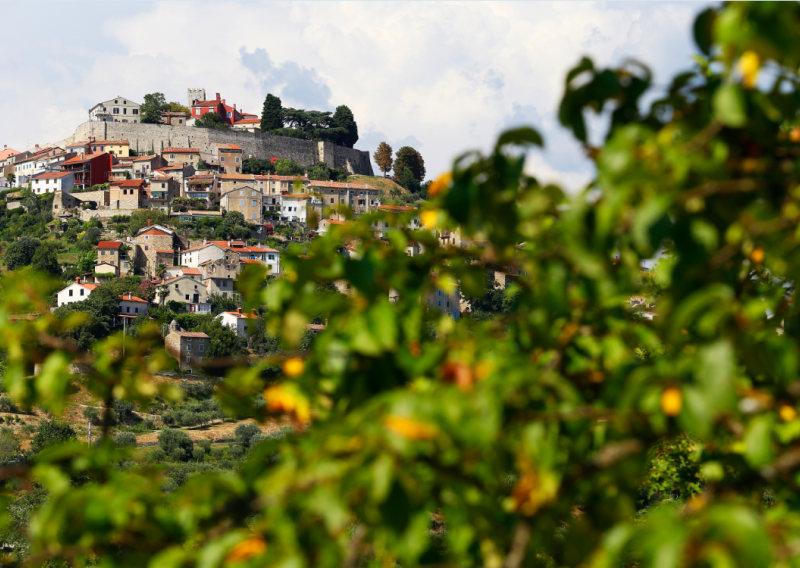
211 120
408 157
150 111
46 259
343 118
272 114
20 253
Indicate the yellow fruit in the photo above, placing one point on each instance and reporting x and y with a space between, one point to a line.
246 550
757 255
409 429
293 367
287 400
787 413
429 218
794 134
441 184
749 66
671 401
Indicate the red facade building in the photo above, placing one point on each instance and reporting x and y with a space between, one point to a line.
89 170
229 114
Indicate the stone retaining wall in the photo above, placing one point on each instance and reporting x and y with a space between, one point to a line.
155 137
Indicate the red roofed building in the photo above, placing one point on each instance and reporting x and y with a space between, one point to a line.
230 157
75 292
51 182
229 114
237 320
131 306
89 170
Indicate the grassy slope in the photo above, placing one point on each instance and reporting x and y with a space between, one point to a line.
385 185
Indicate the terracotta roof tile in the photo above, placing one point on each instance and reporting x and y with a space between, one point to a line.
109 244
180 151
191 334
131 298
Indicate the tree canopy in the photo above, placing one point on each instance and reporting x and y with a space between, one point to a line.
152 107
21 252
343 118
211 120
272 114
408 158
383 157
567 430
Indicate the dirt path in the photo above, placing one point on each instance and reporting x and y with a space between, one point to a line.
216 432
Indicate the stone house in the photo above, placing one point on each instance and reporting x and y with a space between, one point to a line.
326 224
163 189
144 166
176 271
175 155
188 347
445 302
173 118
247 200
187 289
109 252
179 172
237 320
128 194
396 213
229 182
359 197
122 170
64 201
223 268
230 158
156 245
222 286
274 186
106 269
203 185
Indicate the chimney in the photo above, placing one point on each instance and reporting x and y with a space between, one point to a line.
77 280
148 222
37 145
217 96
130 296
239 311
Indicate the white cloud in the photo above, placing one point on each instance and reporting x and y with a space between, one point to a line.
447 76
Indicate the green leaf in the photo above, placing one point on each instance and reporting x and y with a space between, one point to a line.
729 105
520 136
703 26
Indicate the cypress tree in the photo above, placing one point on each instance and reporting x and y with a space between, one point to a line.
272 115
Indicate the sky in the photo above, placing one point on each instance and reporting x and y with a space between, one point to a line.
442 77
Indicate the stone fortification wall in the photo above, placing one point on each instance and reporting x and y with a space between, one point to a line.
154 137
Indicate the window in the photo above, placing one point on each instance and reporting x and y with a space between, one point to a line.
176 286
124 111
440 303
254 203
137 310
241 203
237 159
187 297
81 292
172 156
116 111
136 111
70 293
222 159
189 345
128 309
202 347
229 115
254 215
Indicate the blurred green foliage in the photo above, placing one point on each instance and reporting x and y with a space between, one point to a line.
561 429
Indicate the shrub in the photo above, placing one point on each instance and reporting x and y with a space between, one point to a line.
123 410
125 439
217 453
52 432
244 432
235 451
170 440
28 429
179 454
205 444
92 414
198 454
157 455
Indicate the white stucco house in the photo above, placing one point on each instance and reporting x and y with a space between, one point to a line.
131 306
237 320
52 182
293 206
75 292
118 109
